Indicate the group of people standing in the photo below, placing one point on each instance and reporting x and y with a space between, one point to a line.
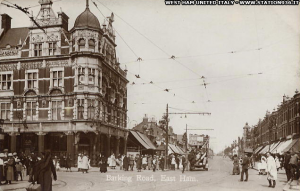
40 169
270 165
83 163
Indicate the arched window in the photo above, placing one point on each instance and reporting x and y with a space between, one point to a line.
81 44
92 45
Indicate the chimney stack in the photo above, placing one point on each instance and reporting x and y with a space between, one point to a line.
5 22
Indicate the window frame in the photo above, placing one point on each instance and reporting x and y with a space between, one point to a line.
38 49
53 78
32 110
6 110
52 49
28 80
6 81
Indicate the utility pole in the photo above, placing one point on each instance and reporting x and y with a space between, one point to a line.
167 134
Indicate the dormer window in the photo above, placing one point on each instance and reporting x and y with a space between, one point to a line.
52 48
92 45
38 49
81 44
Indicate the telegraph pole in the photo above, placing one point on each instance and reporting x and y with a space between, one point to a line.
167 134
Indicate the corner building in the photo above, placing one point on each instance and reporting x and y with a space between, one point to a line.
62 89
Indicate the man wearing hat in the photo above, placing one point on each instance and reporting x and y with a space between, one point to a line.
287 166
16 158
245 166
294 162
10 176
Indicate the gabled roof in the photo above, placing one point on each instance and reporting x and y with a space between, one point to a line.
13 36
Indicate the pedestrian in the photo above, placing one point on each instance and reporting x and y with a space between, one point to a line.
103 163
45 170
126 162
19 169
154 163
277 162
10 172
131 162
271 170
79 162
149 161
183 162
294 166
177 161
32 164
112 163
139 163
85 163
236 167
263 165
162 163
144 162
287 165
245 166
2 174
173 162
69 163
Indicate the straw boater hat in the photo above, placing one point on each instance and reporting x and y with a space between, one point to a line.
2 155
15 153
5 150
10 155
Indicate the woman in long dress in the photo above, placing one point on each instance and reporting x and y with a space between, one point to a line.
103 163
10 168
271 170
112 163
85 164
139 163
44 171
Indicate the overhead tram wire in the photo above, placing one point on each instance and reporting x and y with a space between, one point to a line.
116 31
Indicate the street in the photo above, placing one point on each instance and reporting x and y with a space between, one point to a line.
218 177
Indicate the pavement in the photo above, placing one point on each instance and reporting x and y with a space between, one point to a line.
217 178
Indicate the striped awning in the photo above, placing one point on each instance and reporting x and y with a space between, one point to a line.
282 146
143 139
291 146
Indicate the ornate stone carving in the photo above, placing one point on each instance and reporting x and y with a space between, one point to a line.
31 65
37 38
8 52
57 63
8 67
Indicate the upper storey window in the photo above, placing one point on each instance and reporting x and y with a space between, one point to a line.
32 79
38 49
52 48
5 81
92 45
81 44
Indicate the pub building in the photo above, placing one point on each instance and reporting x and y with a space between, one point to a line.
62 89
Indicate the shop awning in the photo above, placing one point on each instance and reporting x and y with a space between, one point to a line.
282 146
294 144
264 150
275 148
143 139
258 149
274 145
180 149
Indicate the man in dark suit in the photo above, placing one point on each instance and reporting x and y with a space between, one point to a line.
287 165
245 166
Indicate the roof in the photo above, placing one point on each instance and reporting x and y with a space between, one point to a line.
87 19
13 36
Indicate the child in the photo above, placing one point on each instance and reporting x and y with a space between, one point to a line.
19 169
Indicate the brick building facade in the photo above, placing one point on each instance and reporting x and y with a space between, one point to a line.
62 89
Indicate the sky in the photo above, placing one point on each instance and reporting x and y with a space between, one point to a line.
248 56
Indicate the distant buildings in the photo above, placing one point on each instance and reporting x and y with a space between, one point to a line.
280 125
